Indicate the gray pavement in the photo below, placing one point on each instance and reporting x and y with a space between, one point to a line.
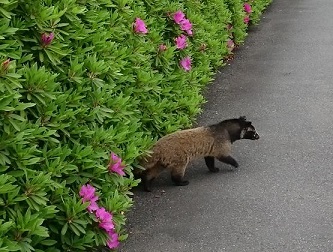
281 197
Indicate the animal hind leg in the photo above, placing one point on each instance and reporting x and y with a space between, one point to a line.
228 160
210 162
177 175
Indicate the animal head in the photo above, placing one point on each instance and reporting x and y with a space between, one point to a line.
247 129
237 128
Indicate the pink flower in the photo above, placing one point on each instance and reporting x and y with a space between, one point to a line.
178 17
105 219
118 168
247 8
230 45
189 32
47 38
186 63
181 42
246 19
113 241
185 25
140 26
162 48
103 215
106 225
92 205
87 192
115 158
116 165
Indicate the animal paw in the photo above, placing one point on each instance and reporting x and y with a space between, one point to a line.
182 183
147 188
215 169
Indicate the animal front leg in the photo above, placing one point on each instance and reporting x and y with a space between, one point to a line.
177 175
149 175
228 160
147 180
210 162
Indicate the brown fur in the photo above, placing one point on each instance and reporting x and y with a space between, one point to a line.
176 150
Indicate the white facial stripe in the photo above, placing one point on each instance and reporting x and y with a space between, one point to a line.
242 134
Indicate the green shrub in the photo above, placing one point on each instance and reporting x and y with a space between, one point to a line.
77 82
257 8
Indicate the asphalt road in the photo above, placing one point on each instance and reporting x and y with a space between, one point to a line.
281 197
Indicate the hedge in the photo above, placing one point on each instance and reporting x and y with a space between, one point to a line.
85 88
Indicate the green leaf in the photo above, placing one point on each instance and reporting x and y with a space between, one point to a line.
14 124
39 200
79 227
17 117
48 242
52 57
64 229
7 14
74 229
23 106
32 161
41 231
13 75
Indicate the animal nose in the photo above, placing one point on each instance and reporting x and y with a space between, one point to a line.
256 136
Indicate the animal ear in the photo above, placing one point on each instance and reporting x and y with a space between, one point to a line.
242 118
